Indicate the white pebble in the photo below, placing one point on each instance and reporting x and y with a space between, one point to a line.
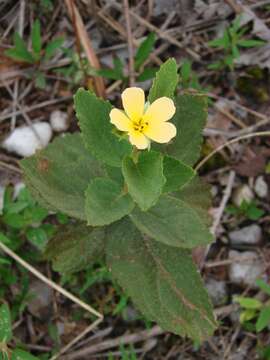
261 187
250 235
246 267
243 193
58 120
24 142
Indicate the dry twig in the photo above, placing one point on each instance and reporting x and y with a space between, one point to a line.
58 288
233 141
87 45
223 203
121 340
130 43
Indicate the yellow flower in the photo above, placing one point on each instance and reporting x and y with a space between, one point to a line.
144 123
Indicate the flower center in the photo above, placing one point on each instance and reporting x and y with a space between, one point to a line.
140 125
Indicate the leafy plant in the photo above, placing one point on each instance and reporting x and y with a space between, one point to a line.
142 54
230 42
22 215
255 314
246 209
144 229
36 54
77 69
6 352
22 222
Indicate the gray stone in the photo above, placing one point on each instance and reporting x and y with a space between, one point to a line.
261 187
217 291
165 7
246 268
249 235
41 299
130 314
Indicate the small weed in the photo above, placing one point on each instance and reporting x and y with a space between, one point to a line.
6 336
189 78
249 210
230 42
37 54
142 54
255 314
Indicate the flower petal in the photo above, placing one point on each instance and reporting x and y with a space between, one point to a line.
120 120
139 140
161 132
161 109
133 102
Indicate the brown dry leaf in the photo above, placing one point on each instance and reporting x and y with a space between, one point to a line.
253 162
256 56
260 29
212 8
259 56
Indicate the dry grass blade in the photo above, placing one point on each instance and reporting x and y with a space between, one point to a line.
86 44
130 43
112 343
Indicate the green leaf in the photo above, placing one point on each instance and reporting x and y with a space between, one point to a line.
144 178
20 52
165 82
247 315
251 210
185 71
116 73
144 50
147 74
263 286
114 173
216 65
219 42
5 324
173 222
177 174
161 280
75 247
19 354
263 319
59 175
248 303
37 237
40 80
110 74
106 202
197 194
235 52
15 221
36 38
189 119
52 47
236 23
94 121
250 43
